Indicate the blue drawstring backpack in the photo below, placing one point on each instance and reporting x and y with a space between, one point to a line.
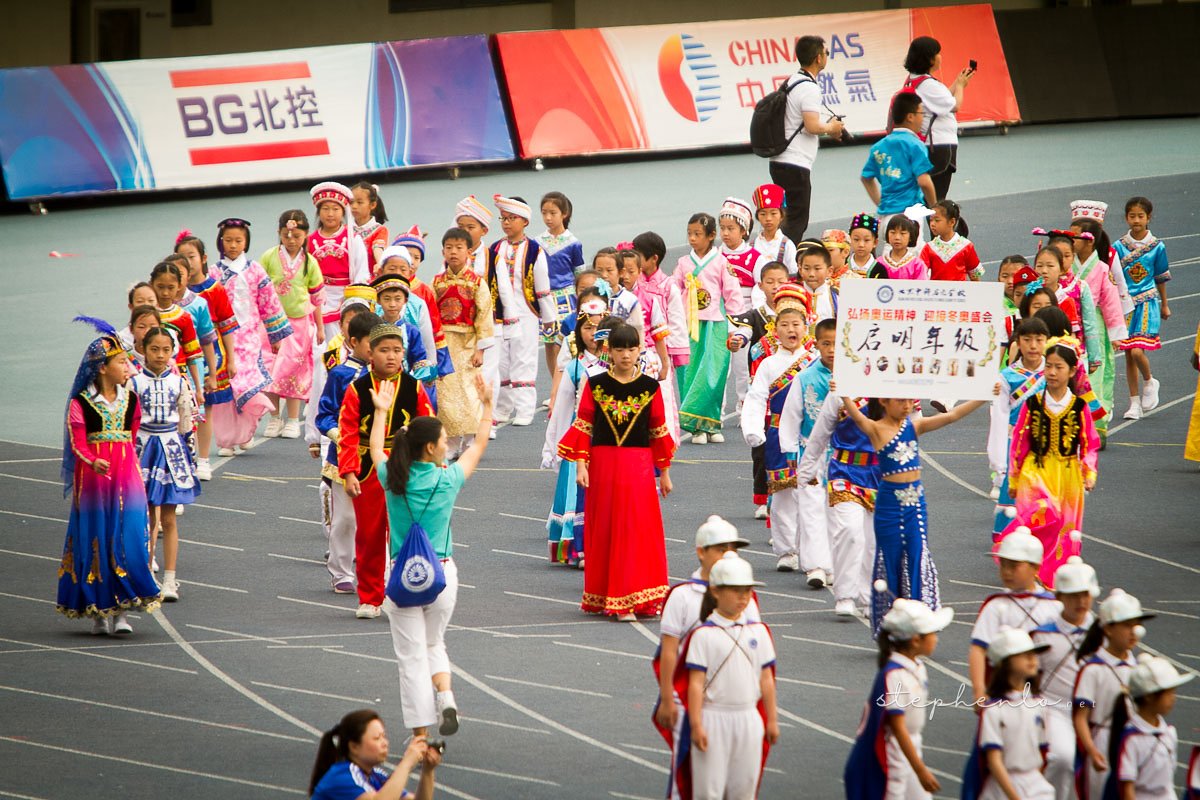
417 575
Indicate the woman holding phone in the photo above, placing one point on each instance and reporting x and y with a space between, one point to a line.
941 102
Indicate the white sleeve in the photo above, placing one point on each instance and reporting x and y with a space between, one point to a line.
541 289
673 615
991 728
765 648
789 256
986 624
360 269
677 319
936 98
556 426
698 655
997 441
1118 275
754 409
818 440
426 328
311 434
791 418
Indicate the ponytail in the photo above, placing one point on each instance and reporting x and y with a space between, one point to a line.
335 743
327 756
1091 641
1117 721
408 445
374 199
886 646
708 605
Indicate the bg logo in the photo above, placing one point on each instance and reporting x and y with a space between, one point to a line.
688 75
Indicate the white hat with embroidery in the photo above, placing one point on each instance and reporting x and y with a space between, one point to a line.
908 618
1088 209
732 570
718 530
1155 674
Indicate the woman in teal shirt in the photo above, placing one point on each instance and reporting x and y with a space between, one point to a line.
420 487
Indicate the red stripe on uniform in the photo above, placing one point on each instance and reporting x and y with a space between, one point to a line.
205 156
215 76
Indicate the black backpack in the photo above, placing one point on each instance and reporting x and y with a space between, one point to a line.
768 136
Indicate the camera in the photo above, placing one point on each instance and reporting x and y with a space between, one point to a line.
845 137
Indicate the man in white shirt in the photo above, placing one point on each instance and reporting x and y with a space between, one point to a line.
792 169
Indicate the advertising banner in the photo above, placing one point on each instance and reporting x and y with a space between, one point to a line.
919 339
230 119
687 85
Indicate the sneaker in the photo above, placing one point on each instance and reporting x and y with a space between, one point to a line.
788 563
627 617
179 510
368 611
1135 408
238 449
994 494
844 608
816 578
1150 395
344 587
579 564
203 470
521 422
121 624
699 438
760 512
154 565
545 403
170 590
274 428
717 438
447 712
225 452
291 429
100 626
492 434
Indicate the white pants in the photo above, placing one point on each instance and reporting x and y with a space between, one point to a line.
491 369
852 555
902 783
1030 785
418 638
814 532
732 766
518 369
784 507
339 531
1060 761
332 329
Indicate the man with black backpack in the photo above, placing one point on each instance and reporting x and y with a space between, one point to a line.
792 167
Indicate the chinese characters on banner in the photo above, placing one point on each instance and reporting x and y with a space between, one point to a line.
919 339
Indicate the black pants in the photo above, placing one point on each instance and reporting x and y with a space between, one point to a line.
945 164
758 455
797 192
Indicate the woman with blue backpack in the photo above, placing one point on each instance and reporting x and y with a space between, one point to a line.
420 489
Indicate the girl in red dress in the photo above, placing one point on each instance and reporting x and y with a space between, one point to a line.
618 439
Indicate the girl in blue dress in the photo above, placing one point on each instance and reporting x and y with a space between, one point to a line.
1143 259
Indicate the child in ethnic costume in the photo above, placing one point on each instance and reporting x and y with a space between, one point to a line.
105 569
1144 262
735 223
413 241
713 293
369 216
1073 295
770 211
838 244
564 258
166 279
901 260
262 325
864 236
1019 381
618 440
339 251
950 256
656 329
651 247
300 287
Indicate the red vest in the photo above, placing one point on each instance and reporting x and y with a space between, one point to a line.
333 255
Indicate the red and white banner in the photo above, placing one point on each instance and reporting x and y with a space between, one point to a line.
663 87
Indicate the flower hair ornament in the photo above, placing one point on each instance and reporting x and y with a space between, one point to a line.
621 246
1067 341
593 308
183 234
291 225
1087 237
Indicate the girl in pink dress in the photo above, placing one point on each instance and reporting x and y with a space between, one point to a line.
900 262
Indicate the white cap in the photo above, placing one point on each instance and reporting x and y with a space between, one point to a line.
1120 606
1154 674
908 618
1088 209
1020 545
718 530
732 570
1012 642
1076 576
396 251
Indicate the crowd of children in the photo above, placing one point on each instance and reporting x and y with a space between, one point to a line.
333 317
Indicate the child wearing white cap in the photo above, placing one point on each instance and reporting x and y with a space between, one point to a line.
1101 683
896 708
1012 737
1023 604
1143 756
1075 587
728 678
338 250
681 616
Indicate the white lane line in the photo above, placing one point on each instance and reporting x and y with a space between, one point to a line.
210 544
811 683
1162 612
45 648
29 444
6 793
463 508
673 539
515 553
297 558
304 521
216 672
510 726
955 479
213 586
976 585
26 597
27 460
605 650
544 686
340 697
248 636
816 726
1131 551
623 796
147 764
547 599
25 478
223 508
554 724
662 751
160 714
770 594
255 478
30 555
313 603
831 644
1164 602
1163 407
644 631
502 635
33 516
597 621
498 774
1188 338
520 516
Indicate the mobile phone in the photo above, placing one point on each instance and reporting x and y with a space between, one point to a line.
973 64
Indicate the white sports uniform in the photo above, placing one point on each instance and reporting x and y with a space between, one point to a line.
1102 679
1148 759
1014 726
1024 610
1059 668
908 694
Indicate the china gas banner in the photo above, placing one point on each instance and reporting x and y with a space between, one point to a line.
232 119
686 85
914 339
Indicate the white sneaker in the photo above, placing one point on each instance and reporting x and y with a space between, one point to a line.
627 617
170 590
545 403
121 624
521 422
100 626
368 611
154 565
225 452
291 429
844 608
274 428
816 579
203 470
1150 395
492 434
699 438
994 494
238 449
1135 408
760 512
717 438
179 510
447 712
788 563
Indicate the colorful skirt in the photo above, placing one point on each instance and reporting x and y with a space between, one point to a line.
564 527
902 556
292 372
564 307
105 566
626 566
1050 504
1144 322
702 382
1003 516
167 470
